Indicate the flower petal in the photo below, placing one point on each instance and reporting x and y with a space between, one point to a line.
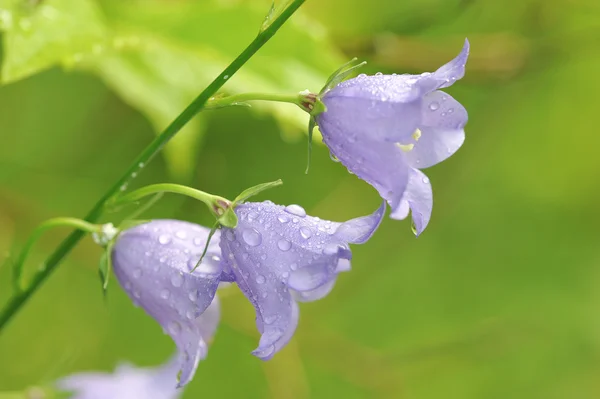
153 263
418 196
359 230
455 69
380 164
442 131
374 119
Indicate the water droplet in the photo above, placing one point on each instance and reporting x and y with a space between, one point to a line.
226 77
265 294
216 258
351 139
164 239
305 232
295 220
294 266
260 279
193 295
137 294
378 74
165 294
137 273
133 175
181 235
434 105
295 210
252 216
270 319
362 75
162 259
190 315
333 157
450 110
123 187
284 245
177 280
443 114
449 151
198 242
252 237
263 256
283 219
174 328
141 165
229 234
425 180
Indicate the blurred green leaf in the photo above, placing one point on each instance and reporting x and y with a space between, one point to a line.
178 48
53 32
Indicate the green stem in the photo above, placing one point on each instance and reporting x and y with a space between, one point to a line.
297 99
216 204
41 229
19 298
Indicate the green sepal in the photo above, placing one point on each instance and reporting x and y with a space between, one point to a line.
311 126
105 266
213 230
228 218
341 74
252 191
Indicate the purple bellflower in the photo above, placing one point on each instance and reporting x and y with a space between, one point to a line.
278 255
127 382
384 128
152 262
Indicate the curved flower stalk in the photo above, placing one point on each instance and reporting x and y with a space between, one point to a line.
126 382
279 255
384 128
154 262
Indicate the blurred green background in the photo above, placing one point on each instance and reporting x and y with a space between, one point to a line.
497 299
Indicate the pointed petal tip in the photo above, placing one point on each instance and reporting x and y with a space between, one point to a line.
360 230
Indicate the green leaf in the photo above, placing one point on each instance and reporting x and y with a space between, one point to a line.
52 32
177 50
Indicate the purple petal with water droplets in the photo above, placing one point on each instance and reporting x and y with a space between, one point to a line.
359 230
153 262
442 131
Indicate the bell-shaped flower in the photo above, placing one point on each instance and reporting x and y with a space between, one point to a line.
384 128
279 255
126 382
153 263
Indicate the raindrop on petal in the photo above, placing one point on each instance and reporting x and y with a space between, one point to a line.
164 239
305 232
260 279
296 210
165 294
284 245
177 280
252 237
434 105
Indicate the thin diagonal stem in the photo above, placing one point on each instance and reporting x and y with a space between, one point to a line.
19 298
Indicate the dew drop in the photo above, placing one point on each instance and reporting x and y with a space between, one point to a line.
174 328
270 319
141 165
295 210
450 110
252 216
284 245
330 249
193 295
164 239
265 294
434 105
165 294
285 274
226 77
198 242
333 157
294 266
263 256
283 219
252 237
133 175
351 139
190 315
181 235
305 232
378 74
137 273
260 279
229 234
123 187
425 180
177 280
163 259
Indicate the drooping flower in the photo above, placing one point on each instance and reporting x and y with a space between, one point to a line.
279 255
384 128
152 262
126 382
